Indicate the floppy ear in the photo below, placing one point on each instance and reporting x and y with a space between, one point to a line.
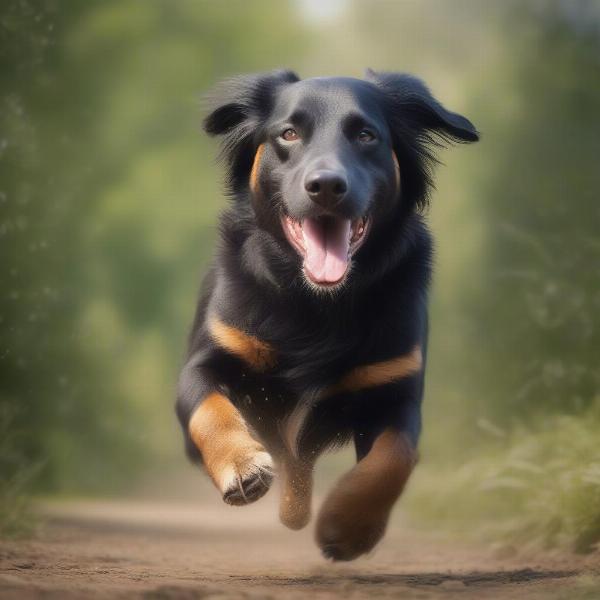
412 102
239 98
239 105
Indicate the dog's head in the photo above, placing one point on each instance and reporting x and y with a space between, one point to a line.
327 162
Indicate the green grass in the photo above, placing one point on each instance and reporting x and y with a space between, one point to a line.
16 475
531 488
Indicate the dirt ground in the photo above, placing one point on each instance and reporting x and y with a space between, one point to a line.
208 550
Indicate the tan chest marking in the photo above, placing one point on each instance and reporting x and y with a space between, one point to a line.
256 167
380 373
258 355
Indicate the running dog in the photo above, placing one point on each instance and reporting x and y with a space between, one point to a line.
311 327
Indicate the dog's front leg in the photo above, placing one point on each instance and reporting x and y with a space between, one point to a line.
239 466
354 516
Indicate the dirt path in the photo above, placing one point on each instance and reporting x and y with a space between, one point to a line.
133 550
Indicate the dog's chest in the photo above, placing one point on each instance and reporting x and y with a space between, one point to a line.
313 356
284 362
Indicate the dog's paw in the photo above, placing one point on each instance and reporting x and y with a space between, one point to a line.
248 478
352 519
341 539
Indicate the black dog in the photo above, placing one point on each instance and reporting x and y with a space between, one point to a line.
311 328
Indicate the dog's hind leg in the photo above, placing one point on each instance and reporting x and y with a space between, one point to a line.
296 481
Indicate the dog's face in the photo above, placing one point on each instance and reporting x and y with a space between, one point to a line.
327 155
328 161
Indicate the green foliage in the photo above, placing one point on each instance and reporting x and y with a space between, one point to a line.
15 476
108 200
70 424
534 488
526 364
536 319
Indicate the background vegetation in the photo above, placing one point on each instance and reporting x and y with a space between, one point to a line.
108 198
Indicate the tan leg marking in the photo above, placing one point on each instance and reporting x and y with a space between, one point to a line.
396 169
254 352
354 516
296 477
238 465
380 373
255 168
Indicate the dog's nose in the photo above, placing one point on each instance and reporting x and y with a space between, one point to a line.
325 187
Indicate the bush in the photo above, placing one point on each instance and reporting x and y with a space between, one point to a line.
535 488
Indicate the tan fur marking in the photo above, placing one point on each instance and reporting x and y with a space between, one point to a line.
218 430
257 354
379 373
396 169
357 379
255 168
354 516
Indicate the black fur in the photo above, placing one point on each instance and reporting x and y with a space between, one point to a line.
256 282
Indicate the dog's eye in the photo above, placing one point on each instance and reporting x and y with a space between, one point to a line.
366 136
290 135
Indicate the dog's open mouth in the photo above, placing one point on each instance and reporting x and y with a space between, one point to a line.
326 244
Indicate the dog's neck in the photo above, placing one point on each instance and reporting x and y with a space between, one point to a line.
264 260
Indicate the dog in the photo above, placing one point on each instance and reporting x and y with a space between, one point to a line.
311 327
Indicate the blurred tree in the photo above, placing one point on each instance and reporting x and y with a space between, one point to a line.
53 390
537 306
105 201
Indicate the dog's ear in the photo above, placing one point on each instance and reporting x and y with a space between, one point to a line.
238 99
238 107
413 103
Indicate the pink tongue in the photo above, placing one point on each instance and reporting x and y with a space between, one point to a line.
326 249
